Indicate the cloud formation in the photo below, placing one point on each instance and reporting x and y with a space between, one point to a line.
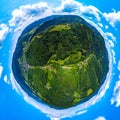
118 65
100 118
3 31
6 79
73 6
30 12
116 95
55 118
113 17
1 69
24 13
110 36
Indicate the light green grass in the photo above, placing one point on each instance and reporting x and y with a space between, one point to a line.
61 27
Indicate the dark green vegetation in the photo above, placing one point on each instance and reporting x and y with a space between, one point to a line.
63 60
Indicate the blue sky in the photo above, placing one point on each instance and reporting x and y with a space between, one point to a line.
15 16
103 5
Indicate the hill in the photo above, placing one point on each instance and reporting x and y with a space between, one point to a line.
63 60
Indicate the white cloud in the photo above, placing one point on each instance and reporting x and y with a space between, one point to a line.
55 118
30 12
1 70
6 79
113 56
100 118
106 26
93 11
112 17
111 36
68 6
111 44
100 24
72 6
24 13
116 95
3 31
118 65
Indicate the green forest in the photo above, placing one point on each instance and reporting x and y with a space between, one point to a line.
64 63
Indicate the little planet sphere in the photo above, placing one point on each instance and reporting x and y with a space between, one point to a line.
62 59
